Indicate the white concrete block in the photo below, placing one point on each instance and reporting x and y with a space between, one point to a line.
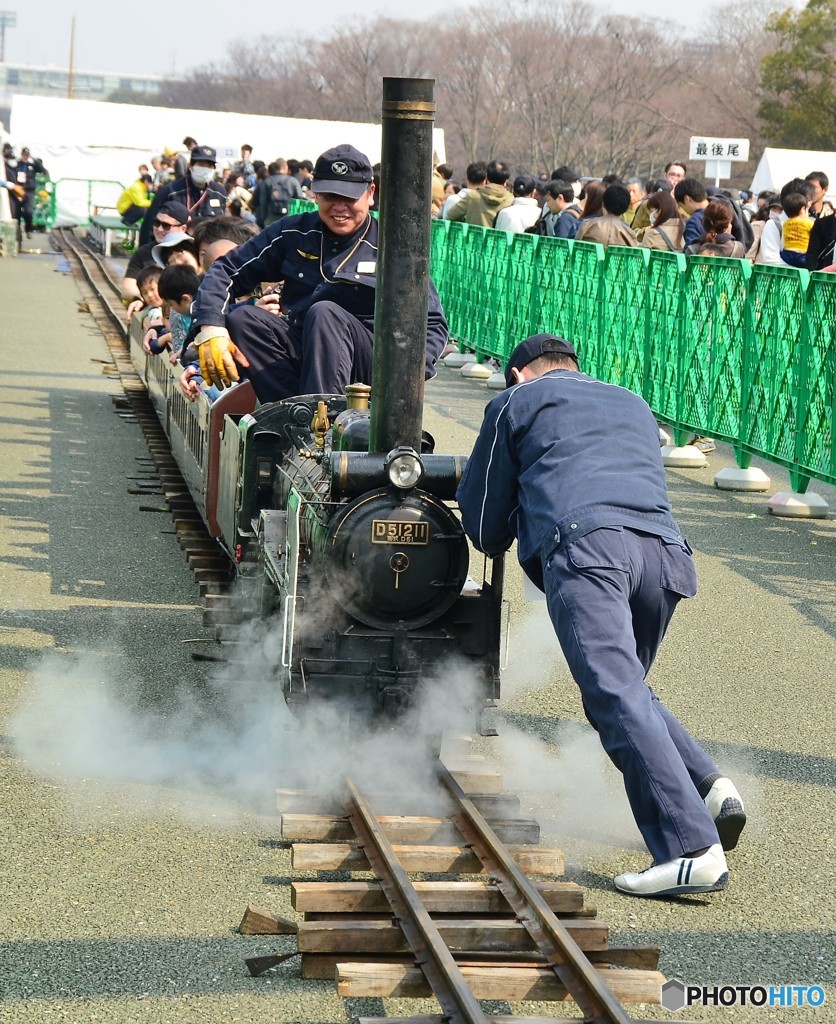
733 478
456 360
799 506
496 382
664 437
477 371
684 456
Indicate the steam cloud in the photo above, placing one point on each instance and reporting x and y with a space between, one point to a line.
234 743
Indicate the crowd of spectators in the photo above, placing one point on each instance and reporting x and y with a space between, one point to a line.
674 213
192 221
193 213
252 190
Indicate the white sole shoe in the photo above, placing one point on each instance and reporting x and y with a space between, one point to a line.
726 808
680 877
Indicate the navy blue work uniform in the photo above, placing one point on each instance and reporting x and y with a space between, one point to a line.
570 466
324 340
209 201
22 174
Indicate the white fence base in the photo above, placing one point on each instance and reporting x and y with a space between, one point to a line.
684 456
798 506
733 478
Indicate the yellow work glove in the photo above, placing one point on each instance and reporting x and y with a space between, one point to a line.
216 351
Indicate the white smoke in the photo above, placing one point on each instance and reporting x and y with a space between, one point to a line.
534 655
76 722
230 746
568 784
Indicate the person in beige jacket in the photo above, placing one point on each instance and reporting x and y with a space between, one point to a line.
482 204
609 229
667 229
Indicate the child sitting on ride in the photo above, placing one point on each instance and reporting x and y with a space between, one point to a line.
178 250
178 285
155 331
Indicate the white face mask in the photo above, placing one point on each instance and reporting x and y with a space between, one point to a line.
202 175
652 214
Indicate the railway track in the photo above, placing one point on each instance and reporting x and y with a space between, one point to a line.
159 473
505 929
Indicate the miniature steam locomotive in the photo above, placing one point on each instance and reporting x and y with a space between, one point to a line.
336 519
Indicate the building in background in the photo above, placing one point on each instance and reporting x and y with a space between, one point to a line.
36 80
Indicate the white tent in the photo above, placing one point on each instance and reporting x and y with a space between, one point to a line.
778 166
92 150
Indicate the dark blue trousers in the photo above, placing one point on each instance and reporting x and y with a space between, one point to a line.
327 350
611 595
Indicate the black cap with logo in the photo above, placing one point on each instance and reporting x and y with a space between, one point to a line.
342 171
534 347
203 153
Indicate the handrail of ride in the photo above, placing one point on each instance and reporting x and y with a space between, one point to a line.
717 347
90 183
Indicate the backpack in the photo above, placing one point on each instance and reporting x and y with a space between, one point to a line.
540 226
278 198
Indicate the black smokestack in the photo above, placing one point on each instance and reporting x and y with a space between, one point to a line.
400 323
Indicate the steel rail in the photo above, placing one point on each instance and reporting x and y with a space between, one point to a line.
566 958
84 256
83 245
436 961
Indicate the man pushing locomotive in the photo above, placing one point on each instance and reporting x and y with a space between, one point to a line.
595 531
327 262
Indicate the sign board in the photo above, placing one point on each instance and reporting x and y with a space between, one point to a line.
707 148
717 169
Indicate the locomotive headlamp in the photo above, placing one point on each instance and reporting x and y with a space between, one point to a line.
404 468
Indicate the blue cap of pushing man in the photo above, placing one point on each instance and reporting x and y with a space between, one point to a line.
534 347
342 171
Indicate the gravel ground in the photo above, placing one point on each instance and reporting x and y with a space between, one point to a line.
131 846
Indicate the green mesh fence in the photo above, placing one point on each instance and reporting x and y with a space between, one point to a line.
622 296
770 365
552 301
587 264
716 347
815 454
662 331
711 345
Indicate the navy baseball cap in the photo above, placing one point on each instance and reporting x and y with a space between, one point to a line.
534 347
203 153
177 211
342 171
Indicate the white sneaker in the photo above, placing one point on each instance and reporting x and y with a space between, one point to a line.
706 873
726 808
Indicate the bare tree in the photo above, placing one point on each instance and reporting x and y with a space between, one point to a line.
474 85
538 84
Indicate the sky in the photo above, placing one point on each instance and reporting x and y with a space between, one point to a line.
119 38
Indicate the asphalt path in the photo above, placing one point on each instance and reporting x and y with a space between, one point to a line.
136 821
